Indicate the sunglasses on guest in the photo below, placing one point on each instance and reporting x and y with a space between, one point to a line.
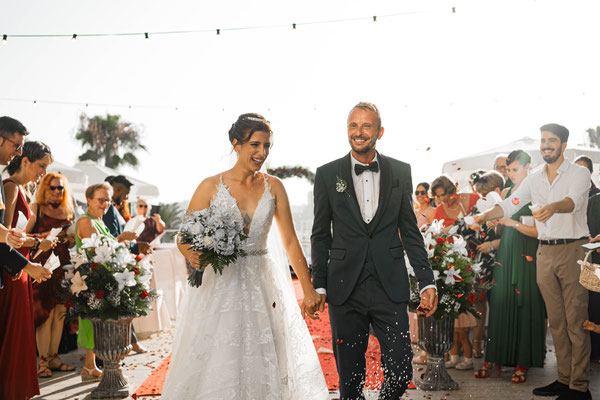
142 206
59 188
418 192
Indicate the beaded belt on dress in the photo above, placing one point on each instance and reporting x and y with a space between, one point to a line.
261 252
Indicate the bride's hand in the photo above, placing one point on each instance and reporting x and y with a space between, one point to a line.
310 304
194 259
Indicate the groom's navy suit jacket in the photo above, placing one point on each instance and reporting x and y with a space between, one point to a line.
10 259
339 254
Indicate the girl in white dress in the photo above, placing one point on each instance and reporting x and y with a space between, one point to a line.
241 335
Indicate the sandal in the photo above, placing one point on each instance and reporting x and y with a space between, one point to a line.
43 370
520 375
477 350
57 365
91 375
486 371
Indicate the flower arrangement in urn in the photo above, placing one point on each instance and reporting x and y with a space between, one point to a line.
456 276
107 281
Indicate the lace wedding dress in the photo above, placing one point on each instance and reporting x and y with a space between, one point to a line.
241 335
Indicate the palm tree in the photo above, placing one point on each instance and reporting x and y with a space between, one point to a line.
110 139
594 136
172 215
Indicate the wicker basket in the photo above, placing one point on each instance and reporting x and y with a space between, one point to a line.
588 277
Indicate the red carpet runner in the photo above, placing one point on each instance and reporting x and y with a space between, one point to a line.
320 331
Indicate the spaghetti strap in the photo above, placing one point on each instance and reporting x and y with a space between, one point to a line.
221 179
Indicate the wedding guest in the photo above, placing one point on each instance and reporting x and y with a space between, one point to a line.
123 209
18 376
52 209
115 222
516 333
586 162
500 166
593 220
424 206
153 225
489 186
453 206
98 199
559 193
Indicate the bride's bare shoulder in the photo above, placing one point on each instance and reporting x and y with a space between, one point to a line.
204 192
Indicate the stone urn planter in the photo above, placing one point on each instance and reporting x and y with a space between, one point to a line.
436 337
112 341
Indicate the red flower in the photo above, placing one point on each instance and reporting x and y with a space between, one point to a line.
440 240
450 239
94 267
472 298
458 296
469 268
450 266
136 270
99 294
483 234
436 259
138 257
143 294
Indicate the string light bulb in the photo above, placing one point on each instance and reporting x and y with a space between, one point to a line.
374 18
218 31
293 26
74 37
4 39
146 35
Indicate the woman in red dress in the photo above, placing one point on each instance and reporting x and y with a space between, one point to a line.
453 206
18 375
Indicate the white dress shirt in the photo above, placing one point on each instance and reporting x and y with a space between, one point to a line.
572 181
366 188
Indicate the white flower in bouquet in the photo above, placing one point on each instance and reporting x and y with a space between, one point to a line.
145 278
125 278
477 267
452 275
436 274
78 283
436 227
409 268
78 258
123 258
92 242
104 253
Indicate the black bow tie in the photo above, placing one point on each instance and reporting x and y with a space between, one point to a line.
359 169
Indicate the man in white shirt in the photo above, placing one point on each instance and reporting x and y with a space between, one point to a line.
358 267
559 196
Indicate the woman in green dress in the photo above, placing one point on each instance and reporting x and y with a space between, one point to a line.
98 199
517 312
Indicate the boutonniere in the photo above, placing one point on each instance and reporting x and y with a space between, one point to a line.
341 186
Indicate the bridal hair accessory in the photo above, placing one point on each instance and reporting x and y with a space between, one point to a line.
256 119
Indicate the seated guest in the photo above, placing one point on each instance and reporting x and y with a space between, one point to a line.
453 206
586 162
593 220
153 225
52 209
18 377
99 200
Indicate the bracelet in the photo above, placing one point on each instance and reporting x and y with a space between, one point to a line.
492 244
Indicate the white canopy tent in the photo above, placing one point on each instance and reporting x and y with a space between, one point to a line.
97 173
461 169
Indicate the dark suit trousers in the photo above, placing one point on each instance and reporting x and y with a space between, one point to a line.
367 305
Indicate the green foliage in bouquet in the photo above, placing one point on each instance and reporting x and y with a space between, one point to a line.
457 278
107 282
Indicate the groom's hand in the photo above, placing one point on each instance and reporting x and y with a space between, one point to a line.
324 300
429 303
310 304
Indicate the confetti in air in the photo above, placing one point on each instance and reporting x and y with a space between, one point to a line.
516 201
528 258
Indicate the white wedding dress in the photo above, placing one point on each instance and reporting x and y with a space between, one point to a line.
240 335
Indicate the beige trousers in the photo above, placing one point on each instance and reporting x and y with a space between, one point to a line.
567 307
48 334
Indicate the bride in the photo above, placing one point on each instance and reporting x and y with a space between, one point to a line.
242 335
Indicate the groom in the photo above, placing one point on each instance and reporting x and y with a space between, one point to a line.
358 268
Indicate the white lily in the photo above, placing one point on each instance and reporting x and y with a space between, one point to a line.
78 283
92 242
477 267
460 245
103 253
125 278
145 278
453 230
78 258
436 274
451 275
436 227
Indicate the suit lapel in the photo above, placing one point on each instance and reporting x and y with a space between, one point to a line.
385 189
345 172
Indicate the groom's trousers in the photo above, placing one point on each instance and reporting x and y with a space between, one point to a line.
367 305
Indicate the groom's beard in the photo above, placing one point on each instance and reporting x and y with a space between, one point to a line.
367 148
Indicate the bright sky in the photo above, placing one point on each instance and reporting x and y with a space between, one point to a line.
459 83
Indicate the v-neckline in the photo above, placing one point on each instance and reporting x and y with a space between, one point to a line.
240 211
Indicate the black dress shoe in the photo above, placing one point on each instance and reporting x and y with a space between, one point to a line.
554 389
575 395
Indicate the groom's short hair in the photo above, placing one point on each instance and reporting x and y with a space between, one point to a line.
364 105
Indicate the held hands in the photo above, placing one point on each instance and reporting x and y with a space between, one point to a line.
429 303
311 303
544 213
37 272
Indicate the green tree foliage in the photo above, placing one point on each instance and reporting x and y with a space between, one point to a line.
172 215
594 136
109 139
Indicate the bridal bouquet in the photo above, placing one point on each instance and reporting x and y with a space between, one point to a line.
456 276
107 281
218 233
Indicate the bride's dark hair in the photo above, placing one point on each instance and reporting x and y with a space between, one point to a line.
246 125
